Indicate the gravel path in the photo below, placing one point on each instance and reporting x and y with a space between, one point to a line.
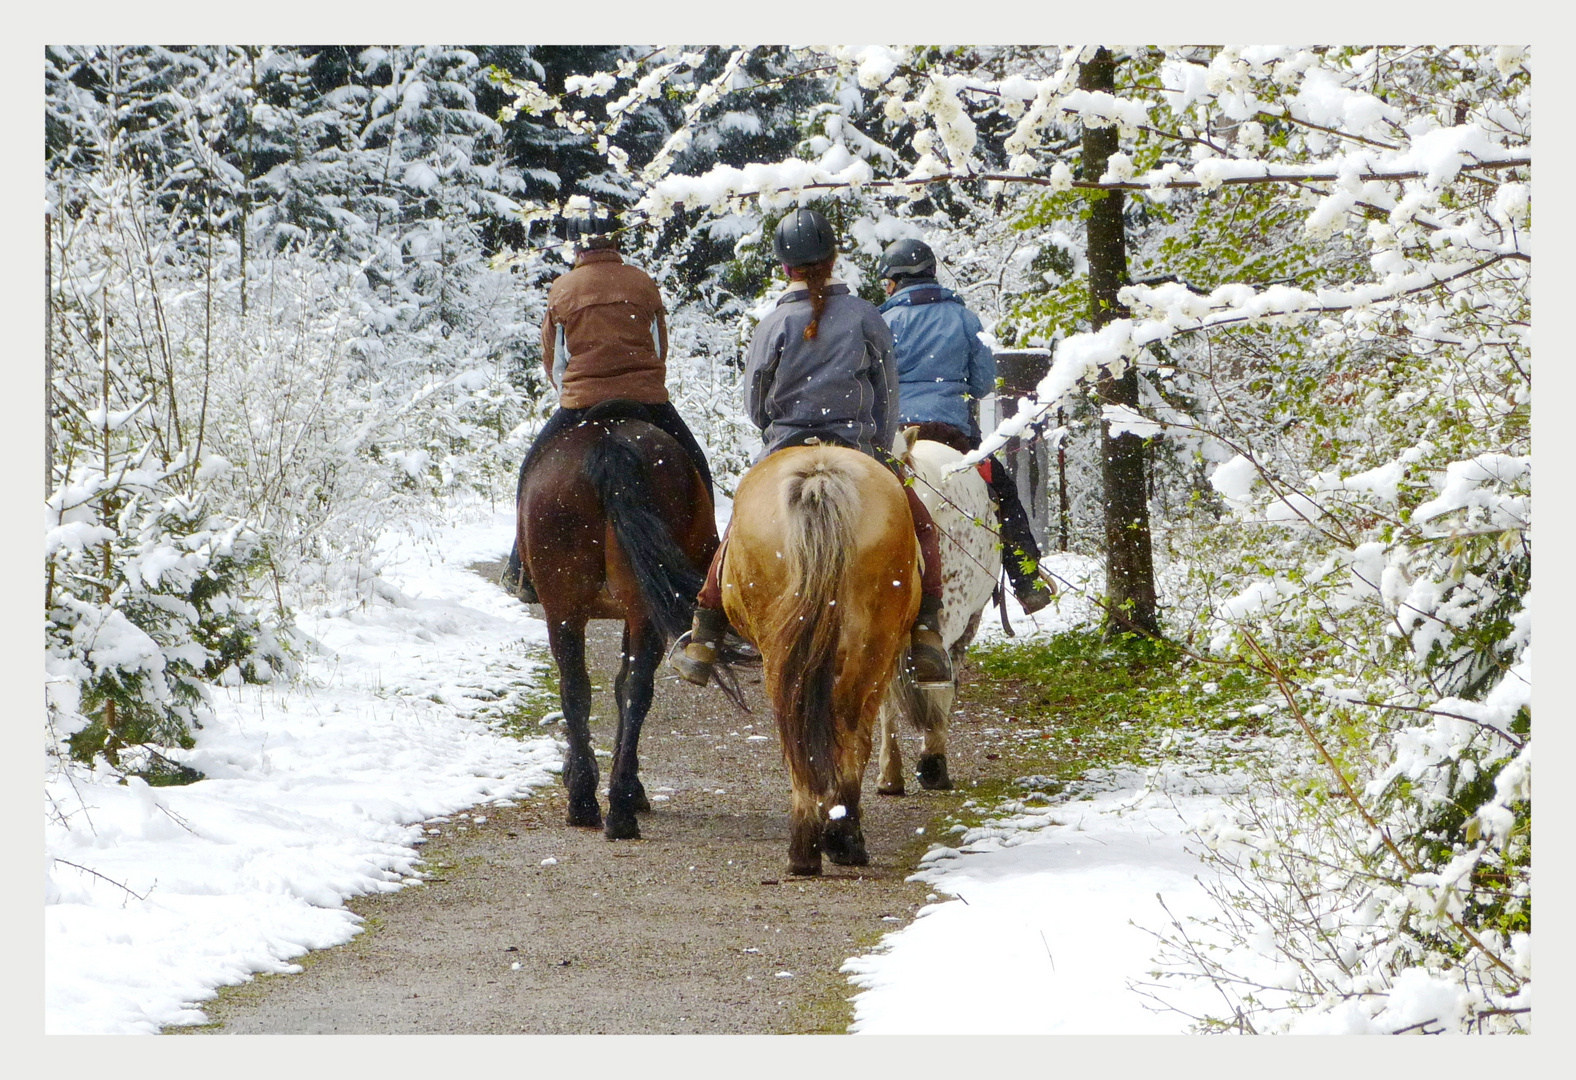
695 928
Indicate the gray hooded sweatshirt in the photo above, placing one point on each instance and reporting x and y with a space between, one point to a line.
840 384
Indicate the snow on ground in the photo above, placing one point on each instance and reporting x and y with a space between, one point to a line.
1040 917
320 792
1080 581
314 793
1043 925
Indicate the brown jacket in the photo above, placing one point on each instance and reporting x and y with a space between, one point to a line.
605 335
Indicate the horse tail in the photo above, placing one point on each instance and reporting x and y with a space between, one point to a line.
820 504
668 582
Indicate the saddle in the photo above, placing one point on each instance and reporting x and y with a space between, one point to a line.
944 433
812 437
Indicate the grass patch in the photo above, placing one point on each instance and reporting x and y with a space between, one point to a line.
1100 704
522 707
829 1012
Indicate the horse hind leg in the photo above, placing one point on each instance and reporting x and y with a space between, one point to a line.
934 713
804 834
626 796
641 801
927 710
579 777
843 838
931 769
890 778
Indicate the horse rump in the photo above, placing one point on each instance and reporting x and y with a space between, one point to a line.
617 469
819 503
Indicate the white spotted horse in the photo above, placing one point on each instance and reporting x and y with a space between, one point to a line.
960 503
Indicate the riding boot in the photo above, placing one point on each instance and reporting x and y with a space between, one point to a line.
515 581
932 665
1031 592
694 661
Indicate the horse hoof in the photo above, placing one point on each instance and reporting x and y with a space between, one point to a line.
890 789
622 827
638 801
853 855
932 773
844 845
807 870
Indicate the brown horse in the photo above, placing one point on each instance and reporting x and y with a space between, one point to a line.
822 576
613 522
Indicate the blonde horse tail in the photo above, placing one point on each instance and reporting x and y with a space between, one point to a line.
820 504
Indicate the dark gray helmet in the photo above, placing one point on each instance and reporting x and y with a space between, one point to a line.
804 237
905 259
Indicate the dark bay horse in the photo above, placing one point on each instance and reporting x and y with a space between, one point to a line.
613 522
821 575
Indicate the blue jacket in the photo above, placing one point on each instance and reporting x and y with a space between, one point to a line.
941 362
840 383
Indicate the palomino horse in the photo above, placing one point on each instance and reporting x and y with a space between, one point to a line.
960 503
822 577
613 522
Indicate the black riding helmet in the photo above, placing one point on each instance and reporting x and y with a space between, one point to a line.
581 224
804 237
907 259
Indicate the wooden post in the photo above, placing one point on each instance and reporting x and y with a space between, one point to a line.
1028 460
1061 485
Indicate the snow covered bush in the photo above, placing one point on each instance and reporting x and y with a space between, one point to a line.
142 613
1373 460
148 584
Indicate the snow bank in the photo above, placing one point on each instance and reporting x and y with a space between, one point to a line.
156 897
1047 926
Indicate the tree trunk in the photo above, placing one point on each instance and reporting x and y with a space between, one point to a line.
1129 563
1061 484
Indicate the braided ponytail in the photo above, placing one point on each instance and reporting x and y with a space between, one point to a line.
816 276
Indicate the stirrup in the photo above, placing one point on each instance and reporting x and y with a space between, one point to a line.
931 665
739 649
519 587
691 668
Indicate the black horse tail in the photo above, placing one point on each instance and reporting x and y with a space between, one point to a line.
820 506
668 582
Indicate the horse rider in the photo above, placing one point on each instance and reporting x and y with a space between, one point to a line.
942 365
820 370
604 336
